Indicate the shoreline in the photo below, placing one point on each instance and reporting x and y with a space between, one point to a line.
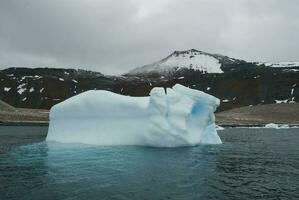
24 123
249 116
235 125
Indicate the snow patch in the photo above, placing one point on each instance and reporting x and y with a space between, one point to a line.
21 88
280 64
6 89
281 101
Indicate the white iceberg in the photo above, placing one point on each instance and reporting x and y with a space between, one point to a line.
167 118
277 126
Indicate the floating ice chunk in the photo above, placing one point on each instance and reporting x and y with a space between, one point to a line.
277 126
219 128
167 118
271 125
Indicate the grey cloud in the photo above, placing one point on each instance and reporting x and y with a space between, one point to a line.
113 36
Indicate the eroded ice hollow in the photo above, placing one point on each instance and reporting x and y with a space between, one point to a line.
179 117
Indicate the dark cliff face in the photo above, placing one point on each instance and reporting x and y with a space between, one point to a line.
241 84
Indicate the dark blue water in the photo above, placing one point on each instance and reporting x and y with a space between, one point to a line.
251 164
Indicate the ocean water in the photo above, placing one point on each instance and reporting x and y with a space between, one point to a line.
250 164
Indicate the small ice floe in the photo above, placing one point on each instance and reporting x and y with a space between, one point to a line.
24 99
182 77
208 88
6 89
277 126
272 125
225 100
31 89
219 128
41 90
75 81
66 73
61 79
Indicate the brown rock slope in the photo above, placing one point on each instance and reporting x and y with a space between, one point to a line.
285 113
9 113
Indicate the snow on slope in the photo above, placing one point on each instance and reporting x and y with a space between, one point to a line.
280 64
190 59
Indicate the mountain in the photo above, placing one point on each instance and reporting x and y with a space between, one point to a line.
236 82
186 60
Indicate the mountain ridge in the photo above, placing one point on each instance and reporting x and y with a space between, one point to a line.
240 83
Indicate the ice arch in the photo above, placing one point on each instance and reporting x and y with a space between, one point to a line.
179 117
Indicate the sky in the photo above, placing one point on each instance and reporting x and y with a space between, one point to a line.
114 36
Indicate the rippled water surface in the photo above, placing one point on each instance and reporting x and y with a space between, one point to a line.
251 164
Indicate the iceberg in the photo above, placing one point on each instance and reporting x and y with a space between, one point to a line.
171 117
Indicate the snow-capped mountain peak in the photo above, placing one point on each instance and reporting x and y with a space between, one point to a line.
189 59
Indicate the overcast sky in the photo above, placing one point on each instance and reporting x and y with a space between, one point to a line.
114 36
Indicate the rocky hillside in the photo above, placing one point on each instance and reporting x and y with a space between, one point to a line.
236 82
